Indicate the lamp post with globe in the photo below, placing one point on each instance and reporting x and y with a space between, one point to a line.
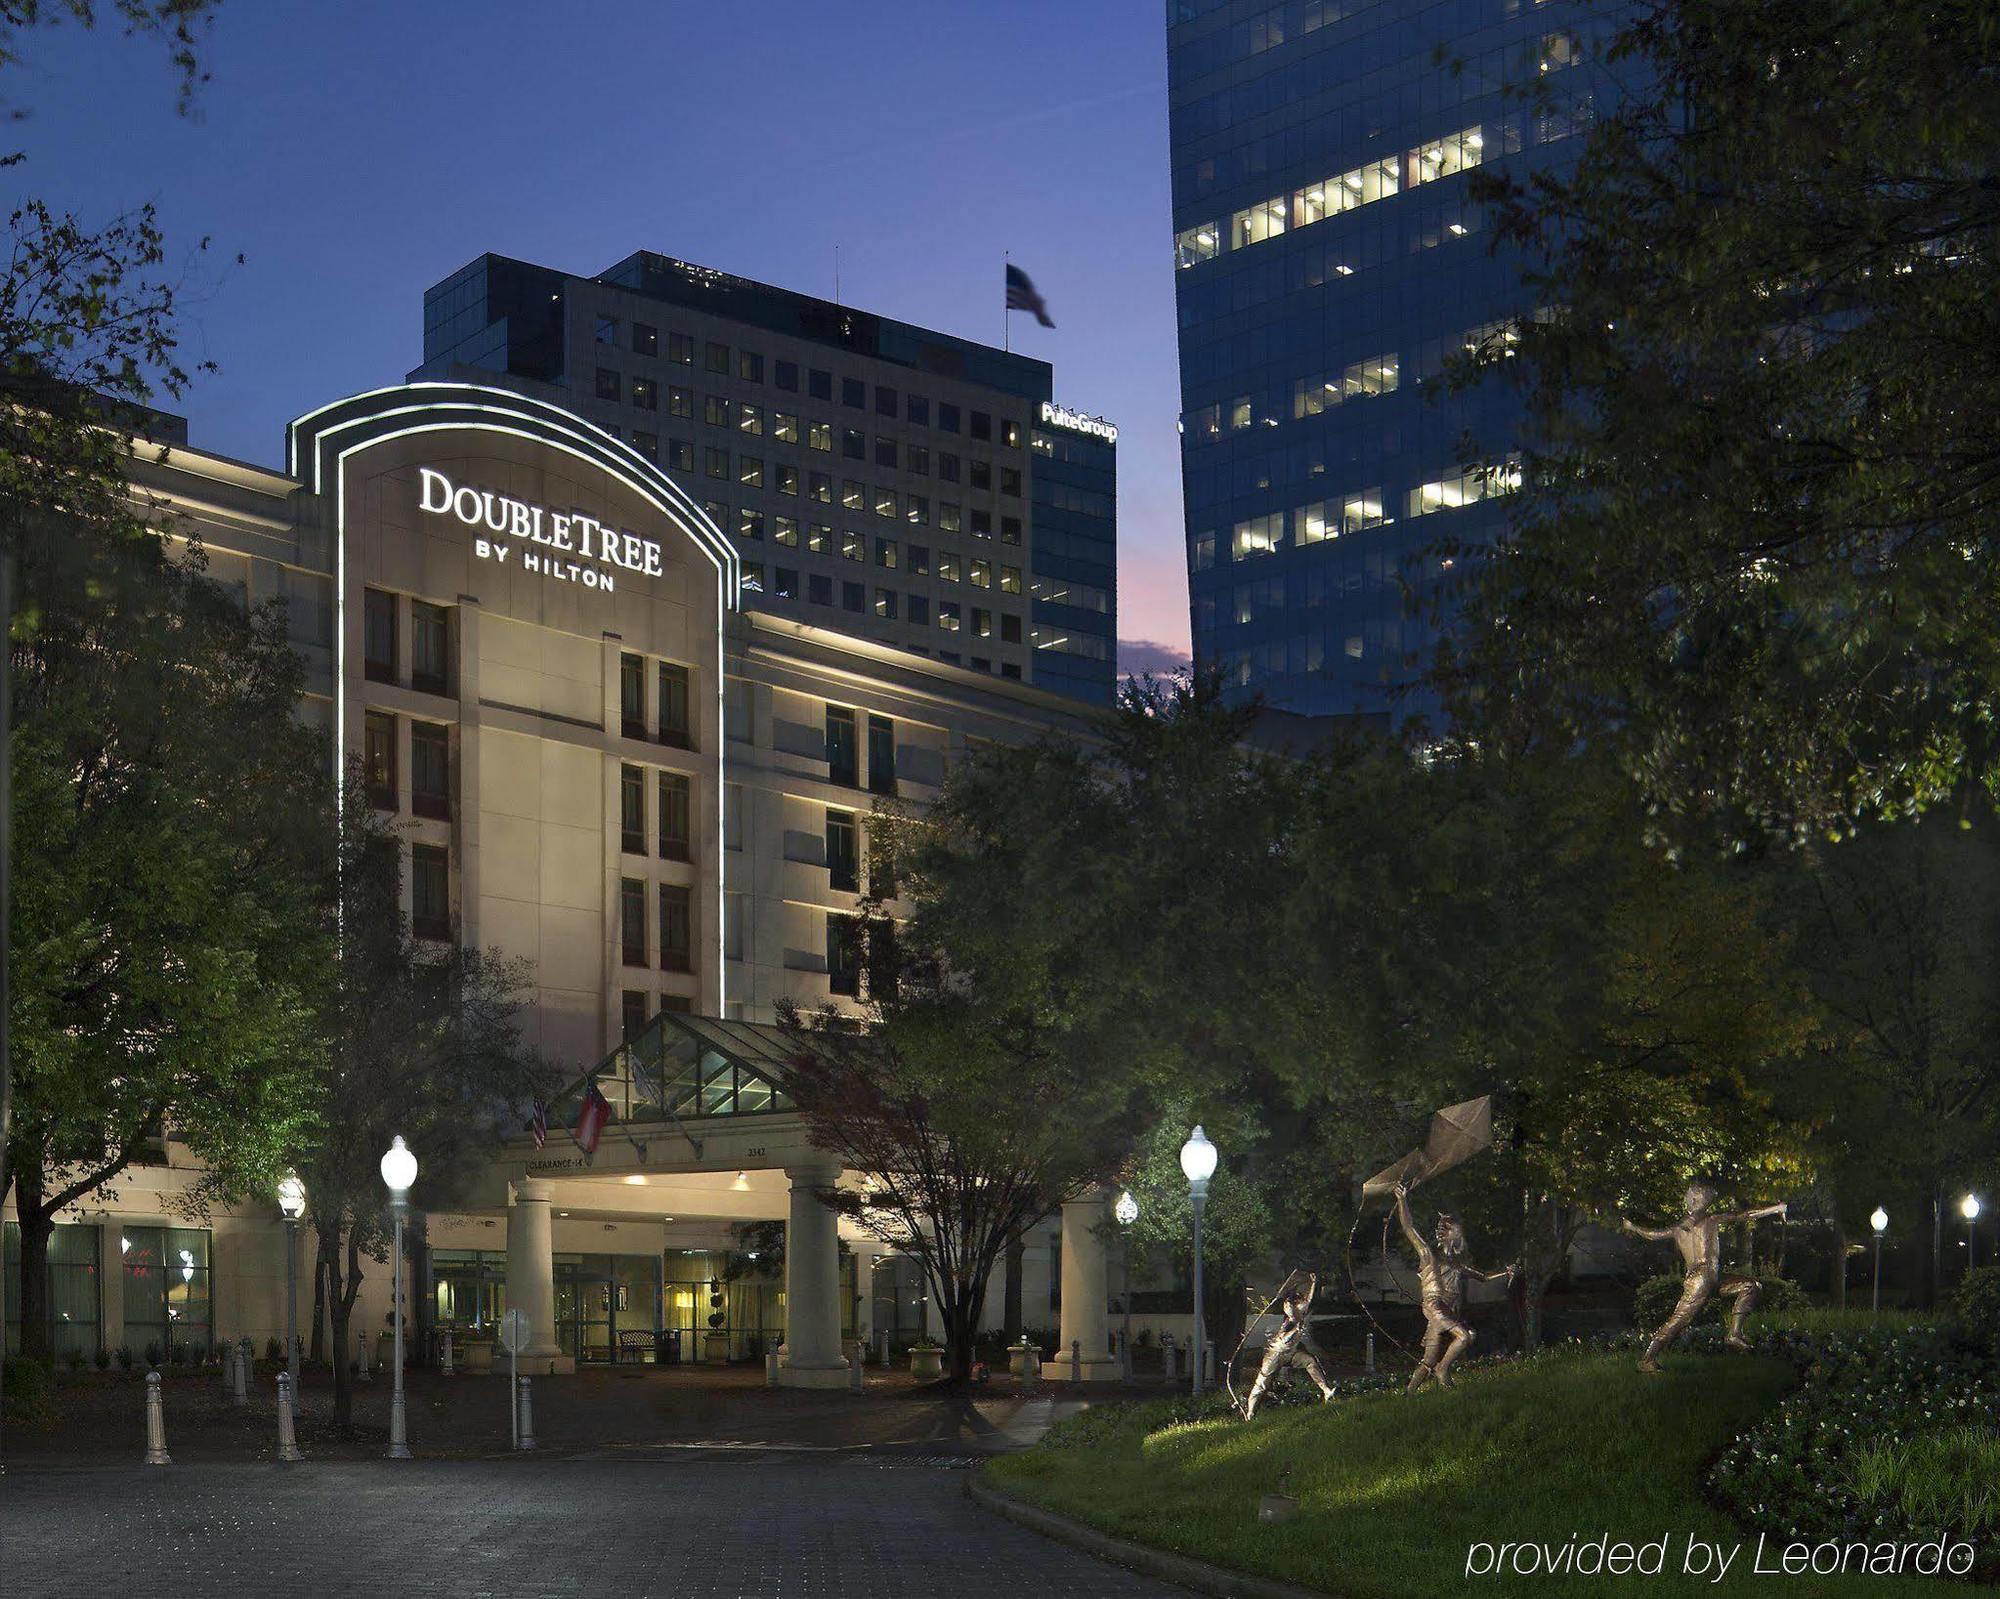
1198 1165
399 1171
1968 1207
1879 1222
1127 1212
292 1205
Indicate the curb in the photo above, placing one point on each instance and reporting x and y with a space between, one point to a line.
1197 1575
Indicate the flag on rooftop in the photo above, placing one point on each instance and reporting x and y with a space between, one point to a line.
1023 296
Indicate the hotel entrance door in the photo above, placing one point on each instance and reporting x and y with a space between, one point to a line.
598 1296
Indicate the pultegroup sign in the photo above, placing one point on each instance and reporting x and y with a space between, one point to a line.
1061 416
559 546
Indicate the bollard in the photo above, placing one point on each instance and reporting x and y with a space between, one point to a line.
241 1392
854 1378
881 1346
445 1367
1371 1352
361 1370
771 1367
288 1438
1076 1360
527 1415
228 1370
156 1424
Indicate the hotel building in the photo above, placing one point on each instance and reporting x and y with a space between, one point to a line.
608 760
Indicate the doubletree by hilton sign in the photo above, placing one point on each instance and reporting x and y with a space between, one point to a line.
557 546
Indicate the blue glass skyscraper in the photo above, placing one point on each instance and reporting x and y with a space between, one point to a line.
1328 262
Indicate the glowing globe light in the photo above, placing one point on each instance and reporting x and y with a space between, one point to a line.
1198 1158
1126 1210
399 1168
1880 1220
292 1197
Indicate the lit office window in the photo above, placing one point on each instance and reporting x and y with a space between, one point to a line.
886 503
785 530
1010 580
1378 374
979 574
853 495
750 418
1258 535
819 538
948 615
1464 488
1254 224
1442 157
645 339
1199 243
750 471
885 604
1329 519
819 486
947 566
1363 185
853 546
819 436
950 518
680 402
784 427
646 394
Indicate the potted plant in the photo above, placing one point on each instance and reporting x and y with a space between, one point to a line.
926 1360
715 1342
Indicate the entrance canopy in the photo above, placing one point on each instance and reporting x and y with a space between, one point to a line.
683 1068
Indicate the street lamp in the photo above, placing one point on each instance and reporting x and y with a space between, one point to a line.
399 1171
1127 1212
1968 1207
1880 1222
292 1205
1197 1165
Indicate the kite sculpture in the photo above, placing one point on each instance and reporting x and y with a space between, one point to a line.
1441 1275
1291 1345
1457 1133
1698 1236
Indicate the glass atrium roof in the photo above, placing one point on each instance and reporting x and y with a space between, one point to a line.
686 1067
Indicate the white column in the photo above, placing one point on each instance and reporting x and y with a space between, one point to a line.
1086 1291
812 1357
531 1273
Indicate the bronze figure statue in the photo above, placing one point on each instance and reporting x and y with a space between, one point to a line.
1441 1275
1290 1345
1698 1236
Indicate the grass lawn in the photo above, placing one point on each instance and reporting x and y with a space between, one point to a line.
1393 1491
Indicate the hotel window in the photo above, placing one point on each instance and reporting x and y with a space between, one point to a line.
854 392
430 770
647 444
645 340
646 394
881 754
378 760
716 410
680 401
633 1020
917 510
920 560
786 375
885 553
676 928
715 462
843 857
947 566
982 426
948 467
749 523
750 471
917 409
608 385
676 817
675 728
819 436
749 366
819 486
680 348
819 384
947 418
732 927
785 582
979 574
853 547
949 518
732 816
885 452
981 475
885 502
430 658
853 597
784 427
819 588
750 418
948 615
917 460
680 455
378 629
841 755
716 357
632 810
632 695
607 330
854 444
430 892
785 530
787 479
843 954
1010 580
819 538
632 921
885 604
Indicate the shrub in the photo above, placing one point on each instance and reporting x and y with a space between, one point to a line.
102 1359
1657 1296
29 1390
1975 1308
73 1358
274 1352
124 1357
153 1353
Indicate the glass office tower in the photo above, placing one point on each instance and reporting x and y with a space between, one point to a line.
1328 262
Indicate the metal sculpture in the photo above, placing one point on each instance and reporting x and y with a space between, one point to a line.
1457 1133
1441 1275
1290 1345
1698 1237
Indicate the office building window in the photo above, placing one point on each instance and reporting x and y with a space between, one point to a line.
886 503
854 392
715 462
853 444
853 597
917 409
819 384
430 892
885 401
885 452
819 436
676 728
982 622
819 538
917 459
716 511
982 524
785 374
378 760
885 604
853 546
979 574
750 418
750 471
378 628
1010 481
753 577
680 348
950 519
843 856
430 770
632 921
606 330
947 566
784 427
819 588
787 479
645 340
680 455
680 402
843 954
881 754
1010 433
646 394
1011 669
885 554
632 810
1468 487
853 495
841 753
982 426
647 444
608 385
785 530
749 523
716 358
1010 628
165 1286
819 486
676 817
716 410
950 467
1010 530
1010 580
749 366
785 582
920 560
676 928
948 617
632 695
920 612
430 659
634 1019
981 475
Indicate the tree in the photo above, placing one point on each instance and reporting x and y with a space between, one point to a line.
1754 551
425 1041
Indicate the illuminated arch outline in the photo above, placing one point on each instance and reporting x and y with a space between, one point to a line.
405 409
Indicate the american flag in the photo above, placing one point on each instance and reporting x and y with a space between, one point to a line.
538 1123
1022 295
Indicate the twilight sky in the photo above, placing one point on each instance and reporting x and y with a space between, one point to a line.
354 154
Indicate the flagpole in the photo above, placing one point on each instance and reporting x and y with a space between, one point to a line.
1007 310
